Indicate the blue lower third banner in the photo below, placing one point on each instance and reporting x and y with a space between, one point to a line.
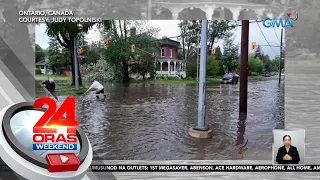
54 146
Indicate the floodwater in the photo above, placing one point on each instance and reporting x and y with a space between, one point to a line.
151 122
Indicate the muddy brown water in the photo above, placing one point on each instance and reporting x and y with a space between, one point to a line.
151 121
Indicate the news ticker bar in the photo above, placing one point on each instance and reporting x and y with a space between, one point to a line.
198 168
195 168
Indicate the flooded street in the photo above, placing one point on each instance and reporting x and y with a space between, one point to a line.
150 122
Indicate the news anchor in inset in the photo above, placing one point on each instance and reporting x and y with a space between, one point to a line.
287 154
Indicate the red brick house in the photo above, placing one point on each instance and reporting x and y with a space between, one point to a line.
166 57
167 60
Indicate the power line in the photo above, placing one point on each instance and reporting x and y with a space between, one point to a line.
274 29
238 25
265 38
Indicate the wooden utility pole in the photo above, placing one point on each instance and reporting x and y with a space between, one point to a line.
281 54
244 70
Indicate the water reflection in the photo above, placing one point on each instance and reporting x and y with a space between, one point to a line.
150 122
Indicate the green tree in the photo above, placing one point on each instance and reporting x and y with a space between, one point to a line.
218 53
66 33
144 65
264 58
275 64
220 29
60 60
190 31
267 62
54 47
213 66
59 57
119 46
40 53
92 51
218 56
93 54
258 52
256 66
191 70
230 57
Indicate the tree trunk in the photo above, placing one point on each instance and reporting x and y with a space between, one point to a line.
79 73
126 77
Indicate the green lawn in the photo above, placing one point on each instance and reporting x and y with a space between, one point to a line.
177 81
63 90
259 78
54 77
63 87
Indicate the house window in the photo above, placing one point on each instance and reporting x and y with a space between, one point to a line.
171 52
162 52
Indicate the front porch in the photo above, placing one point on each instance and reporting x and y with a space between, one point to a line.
171 68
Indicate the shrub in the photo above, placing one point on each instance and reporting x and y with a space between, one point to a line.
101 71
38 71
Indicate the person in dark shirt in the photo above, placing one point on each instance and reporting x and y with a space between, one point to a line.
287 154
50 86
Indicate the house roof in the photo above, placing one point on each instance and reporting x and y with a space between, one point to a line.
42 63
167 41
163 40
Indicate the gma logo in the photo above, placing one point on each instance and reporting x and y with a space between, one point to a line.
268 22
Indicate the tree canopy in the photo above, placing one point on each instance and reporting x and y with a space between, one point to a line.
66 33
40 53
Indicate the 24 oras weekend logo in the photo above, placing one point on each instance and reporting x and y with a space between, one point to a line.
53 131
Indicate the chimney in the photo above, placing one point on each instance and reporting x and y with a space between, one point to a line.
133 31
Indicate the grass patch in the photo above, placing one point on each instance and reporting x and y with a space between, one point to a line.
258 78
64 90
177 81
54 77
63 85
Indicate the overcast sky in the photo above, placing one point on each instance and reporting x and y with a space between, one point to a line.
169 28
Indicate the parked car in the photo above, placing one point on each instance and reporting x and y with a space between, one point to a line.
267 75
229 78
236 73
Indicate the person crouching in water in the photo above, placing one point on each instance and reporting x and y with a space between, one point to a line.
50 86
98 87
